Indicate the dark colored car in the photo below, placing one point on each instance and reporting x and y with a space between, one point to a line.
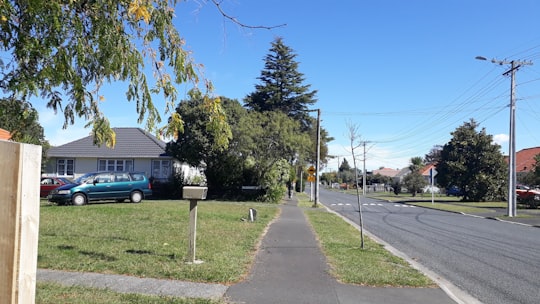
454 191
97 186
50 183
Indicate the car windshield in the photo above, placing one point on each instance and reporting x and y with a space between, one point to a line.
85 178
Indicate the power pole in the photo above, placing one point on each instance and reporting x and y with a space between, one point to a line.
514 66
364 169
318 157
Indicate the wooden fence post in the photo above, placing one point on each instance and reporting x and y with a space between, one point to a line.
20 167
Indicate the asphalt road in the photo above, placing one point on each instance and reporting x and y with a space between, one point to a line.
495 262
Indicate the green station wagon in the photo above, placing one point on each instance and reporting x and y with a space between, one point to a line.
97 186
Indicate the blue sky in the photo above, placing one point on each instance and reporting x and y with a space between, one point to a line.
403 72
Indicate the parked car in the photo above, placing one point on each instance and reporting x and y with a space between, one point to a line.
50 183
524 192
96 186
429 189
454 191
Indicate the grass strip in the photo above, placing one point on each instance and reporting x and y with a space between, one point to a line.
51 293
371 266
151 239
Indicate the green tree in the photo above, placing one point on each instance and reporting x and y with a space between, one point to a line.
65 51
346 172
434 155
416 164
22 121
197 146
281 87
533 176
344 166
472 162
264 139
414 181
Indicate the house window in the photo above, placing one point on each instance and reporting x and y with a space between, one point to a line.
161 169
115 165
64 167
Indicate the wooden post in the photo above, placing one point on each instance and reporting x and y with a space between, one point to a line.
192 230
19 221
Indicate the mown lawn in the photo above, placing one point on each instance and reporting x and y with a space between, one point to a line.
151 239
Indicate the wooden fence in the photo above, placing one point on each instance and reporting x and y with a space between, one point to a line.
20 166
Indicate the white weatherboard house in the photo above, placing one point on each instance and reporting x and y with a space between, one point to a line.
135 150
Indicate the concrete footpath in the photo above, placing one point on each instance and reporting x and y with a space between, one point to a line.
289 268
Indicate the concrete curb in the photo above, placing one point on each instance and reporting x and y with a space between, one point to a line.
456 294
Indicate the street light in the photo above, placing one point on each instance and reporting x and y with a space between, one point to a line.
512 141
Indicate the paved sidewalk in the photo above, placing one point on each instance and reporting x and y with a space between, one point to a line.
289 268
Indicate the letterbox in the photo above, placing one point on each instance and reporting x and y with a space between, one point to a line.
194 192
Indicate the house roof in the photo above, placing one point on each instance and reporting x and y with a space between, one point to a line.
386 172
130 143
5 134
426 169
525 159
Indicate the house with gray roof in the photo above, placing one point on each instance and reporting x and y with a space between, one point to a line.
135 150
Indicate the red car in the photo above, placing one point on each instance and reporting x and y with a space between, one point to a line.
50 183
524 192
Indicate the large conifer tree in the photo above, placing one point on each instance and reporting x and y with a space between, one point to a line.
281 87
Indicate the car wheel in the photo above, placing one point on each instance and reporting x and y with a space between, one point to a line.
136 197
78 199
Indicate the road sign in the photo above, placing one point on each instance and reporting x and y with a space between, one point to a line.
311 178
311 170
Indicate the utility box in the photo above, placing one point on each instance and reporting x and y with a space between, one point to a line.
194 192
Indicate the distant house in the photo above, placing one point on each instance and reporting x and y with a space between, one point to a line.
386 172
398 178
525 159
426 172
135 150
5 135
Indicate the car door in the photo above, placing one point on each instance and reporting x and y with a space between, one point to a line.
101 186
47 184
122 185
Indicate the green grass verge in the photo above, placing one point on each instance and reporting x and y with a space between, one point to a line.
50 293
371 266
305 202
151 239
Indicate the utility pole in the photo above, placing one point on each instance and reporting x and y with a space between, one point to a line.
364 169
318 157
514 66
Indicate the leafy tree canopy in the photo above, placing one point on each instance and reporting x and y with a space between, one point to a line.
344 166
434 155
21 120
472 162
64 51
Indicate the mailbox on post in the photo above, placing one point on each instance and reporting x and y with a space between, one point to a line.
193 194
